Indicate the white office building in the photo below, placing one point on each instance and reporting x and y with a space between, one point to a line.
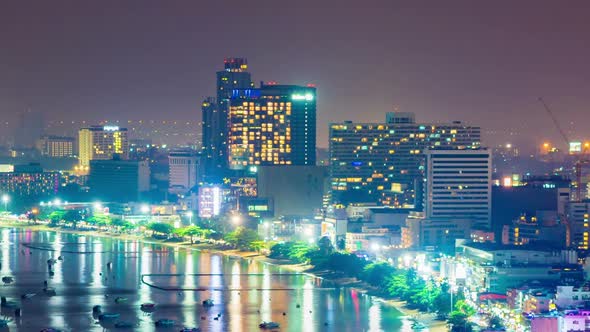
458 186
183 166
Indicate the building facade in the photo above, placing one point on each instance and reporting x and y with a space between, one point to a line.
272 125
235 75
384 162
118 180
578 218
29 183
183 166
293 190
459 186
102 143
56 146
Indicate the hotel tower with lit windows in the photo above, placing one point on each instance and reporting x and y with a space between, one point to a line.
384 162
272 125
101 143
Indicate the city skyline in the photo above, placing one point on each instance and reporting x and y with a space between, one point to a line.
484 65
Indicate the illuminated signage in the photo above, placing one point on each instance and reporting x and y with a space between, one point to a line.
297 96
110 128
575 147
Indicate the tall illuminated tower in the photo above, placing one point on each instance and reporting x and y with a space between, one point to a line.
215 113
272 125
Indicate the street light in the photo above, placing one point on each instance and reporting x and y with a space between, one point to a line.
236 219
5 200
145 209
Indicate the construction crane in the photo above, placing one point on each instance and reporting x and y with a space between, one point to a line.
580 161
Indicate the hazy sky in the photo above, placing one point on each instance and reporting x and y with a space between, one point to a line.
482 62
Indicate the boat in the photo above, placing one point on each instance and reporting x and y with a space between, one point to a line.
418 326
108 315
7 280
164 322
27 296
9 304
208 303
50 291
269 325
50 329
148 306
124 325
97 308
188 329
120 299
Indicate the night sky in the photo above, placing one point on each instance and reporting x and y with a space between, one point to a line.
482 62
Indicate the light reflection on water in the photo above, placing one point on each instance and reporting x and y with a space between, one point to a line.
82 280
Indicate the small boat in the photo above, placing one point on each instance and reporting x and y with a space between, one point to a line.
51 261
97 308
147 306
164 322
120 299
188 329
27 296
50 329
418 326
269 325
7 280
108 315
9 304
50 291
124 325
208 303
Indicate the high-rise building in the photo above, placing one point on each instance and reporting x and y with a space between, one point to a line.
102 143
118 180
30 126
235 75
384 162
56 146
578 218
272 125
183 165
459 186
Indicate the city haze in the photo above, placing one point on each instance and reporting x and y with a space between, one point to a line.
484 63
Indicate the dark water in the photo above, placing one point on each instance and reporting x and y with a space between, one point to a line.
244 292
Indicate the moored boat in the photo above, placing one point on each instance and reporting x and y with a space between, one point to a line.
27 296
120 299
164 322
108 315
208 303
269 325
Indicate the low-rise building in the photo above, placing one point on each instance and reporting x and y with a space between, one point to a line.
29 183
495 267
373 239
335 225
538 301
568 297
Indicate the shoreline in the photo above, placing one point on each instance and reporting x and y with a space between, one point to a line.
425 318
